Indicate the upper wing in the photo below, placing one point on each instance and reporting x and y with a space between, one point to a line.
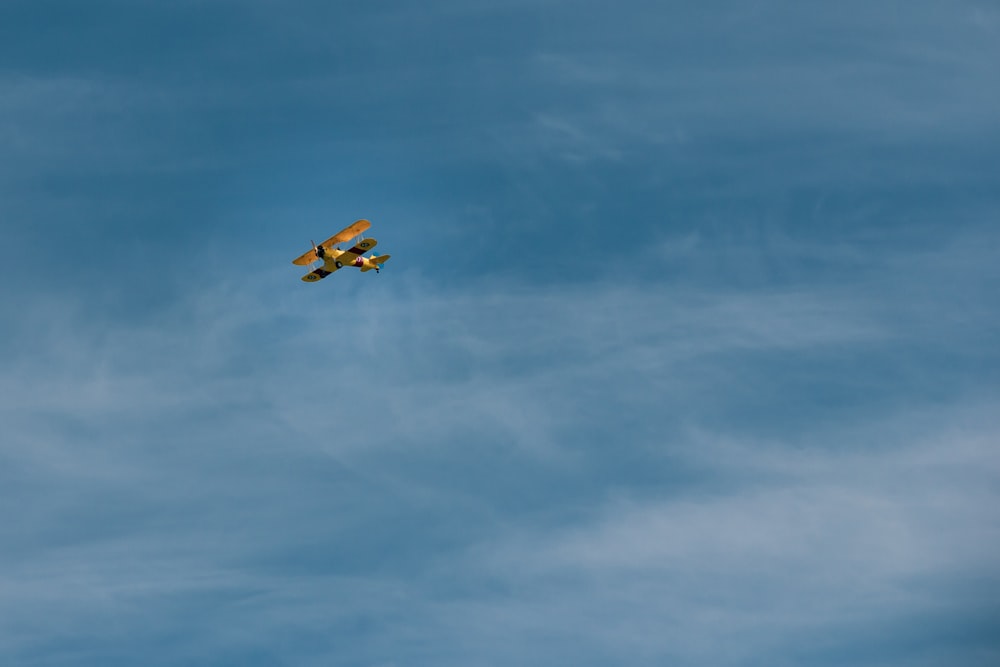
343 235
348 233
306 259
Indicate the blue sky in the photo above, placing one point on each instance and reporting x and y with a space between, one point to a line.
687 352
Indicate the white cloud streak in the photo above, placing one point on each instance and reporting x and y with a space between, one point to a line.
162 461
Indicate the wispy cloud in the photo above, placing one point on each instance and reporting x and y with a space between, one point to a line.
491 427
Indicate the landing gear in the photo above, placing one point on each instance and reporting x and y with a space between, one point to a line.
339 264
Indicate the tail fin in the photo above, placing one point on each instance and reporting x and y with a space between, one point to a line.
376 263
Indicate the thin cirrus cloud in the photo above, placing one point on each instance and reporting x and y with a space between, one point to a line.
172 481
502 455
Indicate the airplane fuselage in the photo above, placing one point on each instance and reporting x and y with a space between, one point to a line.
334 259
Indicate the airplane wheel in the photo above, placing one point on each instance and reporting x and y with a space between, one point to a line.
339 265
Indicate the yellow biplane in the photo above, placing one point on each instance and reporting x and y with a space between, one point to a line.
334 258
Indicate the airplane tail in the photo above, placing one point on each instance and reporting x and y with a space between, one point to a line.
375 262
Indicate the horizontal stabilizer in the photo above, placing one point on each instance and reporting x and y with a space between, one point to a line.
376 263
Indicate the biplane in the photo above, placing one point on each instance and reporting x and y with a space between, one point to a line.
334 258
